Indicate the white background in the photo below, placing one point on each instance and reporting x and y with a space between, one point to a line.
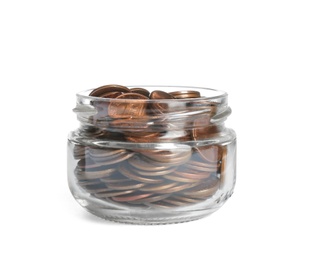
257 51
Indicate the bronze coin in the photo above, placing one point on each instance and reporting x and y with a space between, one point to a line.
99 92
126 171
185 94
142 91
128 105
112 193
212 153
130 197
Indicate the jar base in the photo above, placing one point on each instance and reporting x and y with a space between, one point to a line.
150 216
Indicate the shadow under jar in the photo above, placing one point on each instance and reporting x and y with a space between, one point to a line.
152 154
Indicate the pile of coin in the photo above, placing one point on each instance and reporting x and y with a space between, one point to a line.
148 175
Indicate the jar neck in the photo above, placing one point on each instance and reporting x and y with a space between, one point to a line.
152 120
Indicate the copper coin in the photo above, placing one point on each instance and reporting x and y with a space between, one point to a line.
99 92
168 156
145 165
185 94
212 153
194 176
128 105
179 179
132 185
154 173
112 193
186 199
127 172
112 94
202 169
151 199
88 163
142 91
178 188
114 160
158 94
105 152
200 163
205 189
131 197
110 159
158 187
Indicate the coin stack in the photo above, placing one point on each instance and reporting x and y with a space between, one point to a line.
149 175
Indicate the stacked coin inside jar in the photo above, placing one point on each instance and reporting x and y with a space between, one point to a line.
149 171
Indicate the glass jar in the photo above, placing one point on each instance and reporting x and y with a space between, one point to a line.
153 161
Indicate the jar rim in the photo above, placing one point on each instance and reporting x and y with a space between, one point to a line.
216 93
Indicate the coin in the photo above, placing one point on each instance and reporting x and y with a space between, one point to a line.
158 187
178 188
151 199
90 175
128 172
185 94
113 160
112 193
205 189
141 164
142 91
130 185
131 197
128 105
193 175
158 94
112 94
99 92
175 177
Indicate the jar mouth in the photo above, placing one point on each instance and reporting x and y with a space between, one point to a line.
206 94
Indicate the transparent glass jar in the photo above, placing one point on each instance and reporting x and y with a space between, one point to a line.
174 162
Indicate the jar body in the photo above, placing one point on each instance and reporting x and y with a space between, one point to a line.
174 169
